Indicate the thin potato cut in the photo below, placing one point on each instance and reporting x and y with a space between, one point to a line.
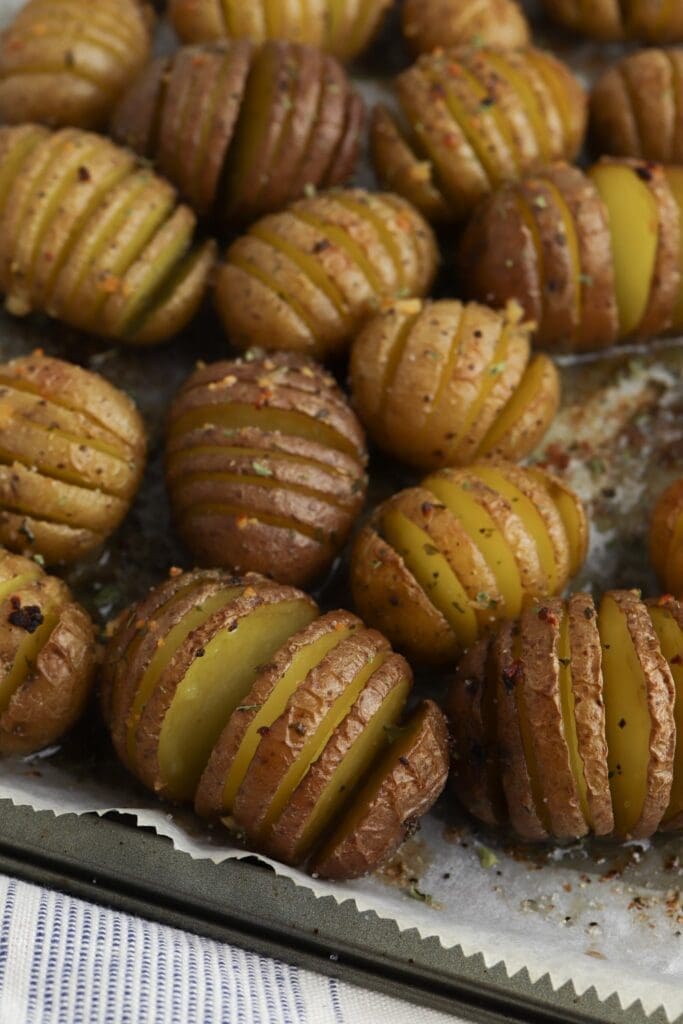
65 62
309 277
473 118
47 656
72 454
265 466
478 544
610 20
470 367
666 538
429 24
342 27
90 238
667 620
259 126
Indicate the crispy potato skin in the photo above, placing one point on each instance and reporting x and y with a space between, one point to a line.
647 20
244 112
66 64
429 385
75 454
343 29
466 125
278 498
308 278
666 551
51 692
92 238
429 24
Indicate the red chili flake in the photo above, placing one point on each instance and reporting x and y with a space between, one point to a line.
513 674
665 599
546 615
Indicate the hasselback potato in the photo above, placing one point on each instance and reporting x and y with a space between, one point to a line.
445 383
242 131
91 237
651 21
237 694
47 656
429 24
308 278
591 258
635 107
265 465
72 454
666 538
65 62
471 119
437 565
568 722
342 27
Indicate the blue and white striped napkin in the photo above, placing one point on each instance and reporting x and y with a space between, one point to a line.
64 961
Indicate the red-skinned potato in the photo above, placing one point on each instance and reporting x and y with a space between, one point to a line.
430 24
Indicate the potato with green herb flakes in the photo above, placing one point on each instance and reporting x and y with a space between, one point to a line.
47 656
265 466
72 455
237 694
432 24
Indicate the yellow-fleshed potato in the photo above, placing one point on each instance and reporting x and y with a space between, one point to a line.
72 454
308 278
449 383
237 694
591 258
666 538
342 27
65 62
90 236
47 656
565 723
430 24
265 466
634 107
243 131
471 119
650 21
439 564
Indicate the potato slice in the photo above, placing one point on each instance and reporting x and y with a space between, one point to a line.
572 513
667 619
405 784
402 169
527 414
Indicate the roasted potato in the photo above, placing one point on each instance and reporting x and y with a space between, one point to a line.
244 131
65 62
448 383
72 454
471 119
308 278
592 259
342 27
439 564
666 538
93 238
47 656
238 695
651 21
431 24
565 723
634 107
265 466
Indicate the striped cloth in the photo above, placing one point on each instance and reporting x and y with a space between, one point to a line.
64 961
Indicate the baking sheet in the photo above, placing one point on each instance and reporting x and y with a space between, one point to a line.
590 914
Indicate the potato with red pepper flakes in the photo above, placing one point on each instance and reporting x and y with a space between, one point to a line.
432 24
440 564
265 466
72 454
470 119
47 656
443 384
65 62
308 278
242 131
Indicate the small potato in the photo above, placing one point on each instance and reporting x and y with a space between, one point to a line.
235 693
430 24
244 131
470 119
47 656
265 466
450 383
72 457
308 278
650 21
65 62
